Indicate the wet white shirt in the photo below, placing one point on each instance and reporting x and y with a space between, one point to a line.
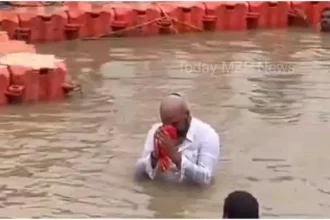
200 153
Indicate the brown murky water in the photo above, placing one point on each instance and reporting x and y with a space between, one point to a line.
75 158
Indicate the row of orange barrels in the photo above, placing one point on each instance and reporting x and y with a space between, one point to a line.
93 20
27 77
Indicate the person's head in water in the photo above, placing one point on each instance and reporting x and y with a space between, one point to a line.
240 204
325 20
174 111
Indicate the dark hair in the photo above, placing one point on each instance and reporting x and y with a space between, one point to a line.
241 204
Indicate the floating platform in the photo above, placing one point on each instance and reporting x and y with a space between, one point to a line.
91 20
27 77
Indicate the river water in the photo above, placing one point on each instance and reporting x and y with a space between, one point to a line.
271 108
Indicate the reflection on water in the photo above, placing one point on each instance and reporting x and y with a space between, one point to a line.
75 158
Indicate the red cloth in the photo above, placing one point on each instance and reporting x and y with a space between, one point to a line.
164 160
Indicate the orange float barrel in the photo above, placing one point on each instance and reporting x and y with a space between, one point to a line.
123 19
134 19
4 83
29 25
190 17
56 19
25 86
271 14
24 79
43 77
144 19
51 78
187 16
75 20
41 25
170 13
222 16
88 20
9 22
98 20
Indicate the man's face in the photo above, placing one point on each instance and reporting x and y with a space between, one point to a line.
325 21
179 120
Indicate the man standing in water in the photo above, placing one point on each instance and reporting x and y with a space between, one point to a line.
325 20
323 25
193 155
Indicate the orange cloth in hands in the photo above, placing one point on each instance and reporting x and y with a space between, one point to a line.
164 160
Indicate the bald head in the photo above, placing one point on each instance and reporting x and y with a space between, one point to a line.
174 111
173 104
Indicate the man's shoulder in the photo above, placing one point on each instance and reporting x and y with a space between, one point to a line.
202 124
205 127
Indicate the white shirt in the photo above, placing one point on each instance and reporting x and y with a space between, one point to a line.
200 153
